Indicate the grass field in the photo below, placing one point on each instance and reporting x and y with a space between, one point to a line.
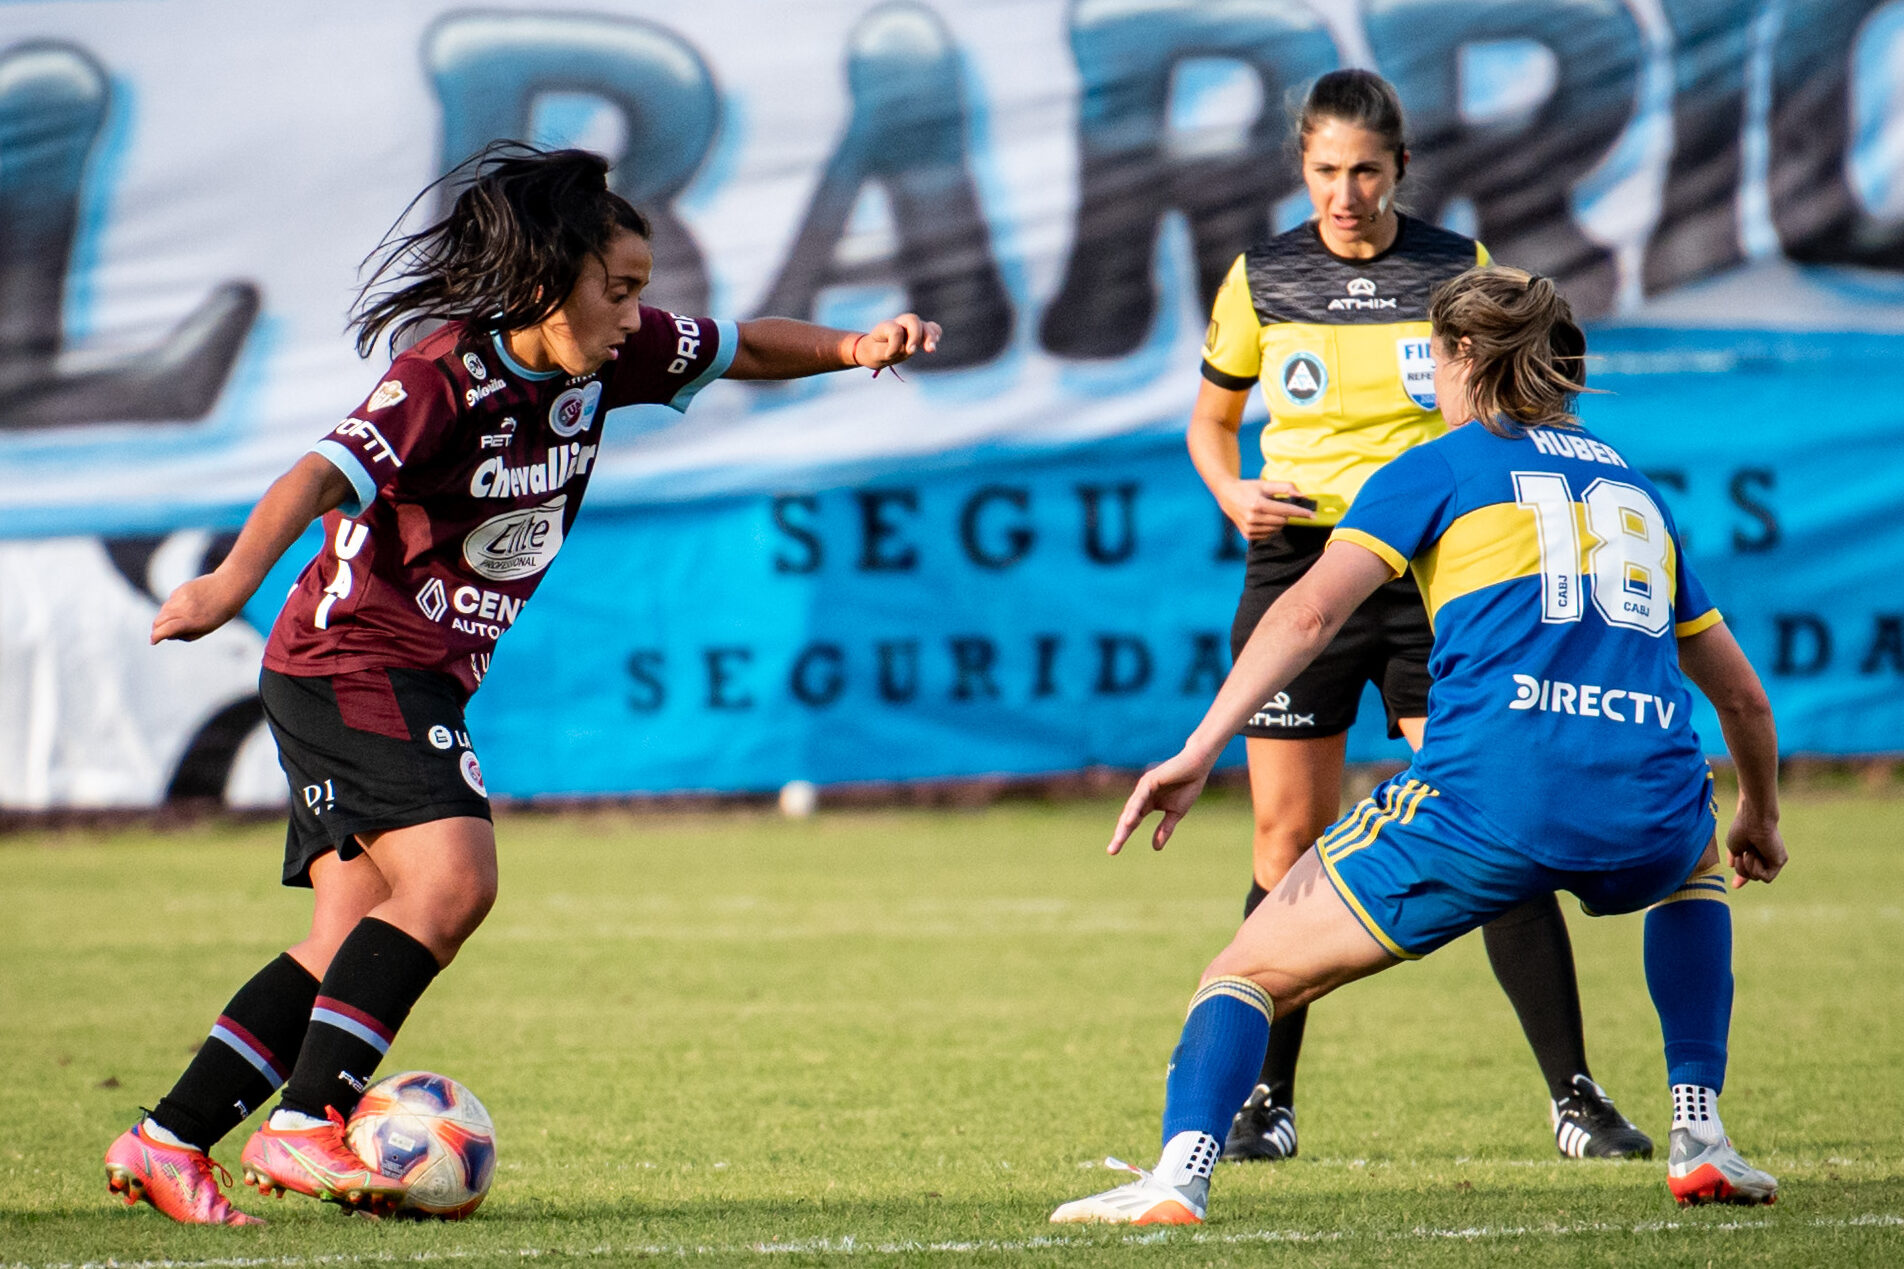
894 1036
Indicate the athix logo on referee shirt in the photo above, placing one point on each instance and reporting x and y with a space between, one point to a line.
1361 295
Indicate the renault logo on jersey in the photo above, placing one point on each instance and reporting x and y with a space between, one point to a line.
574 410
1304 377
432 599
516 544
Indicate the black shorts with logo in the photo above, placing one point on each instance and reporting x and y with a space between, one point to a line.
368 751
1386 642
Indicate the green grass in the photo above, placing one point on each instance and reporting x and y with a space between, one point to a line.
904 1036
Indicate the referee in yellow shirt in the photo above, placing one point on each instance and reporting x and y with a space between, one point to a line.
1332 319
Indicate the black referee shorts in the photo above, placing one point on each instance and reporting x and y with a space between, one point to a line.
1385 642
368 751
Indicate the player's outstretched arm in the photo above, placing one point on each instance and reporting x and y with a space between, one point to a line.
311 488
781 348
1296 629
1713 660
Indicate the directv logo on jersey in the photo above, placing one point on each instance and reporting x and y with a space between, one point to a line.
1276 713
1361 296
516 544
1588 700
1304 377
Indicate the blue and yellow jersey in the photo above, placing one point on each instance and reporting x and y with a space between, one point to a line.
1555 582
1341 349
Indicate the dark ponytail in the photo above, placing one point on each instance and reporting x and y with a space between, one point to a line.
1360 98
507 254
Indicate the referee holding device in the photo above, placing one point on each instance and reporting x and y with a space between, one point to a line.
1331 318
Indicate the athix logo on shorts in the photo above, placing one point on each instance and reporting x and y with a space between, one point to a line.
571 413
474 364
1276 713
432 599
1304 377
1361 296
516 544
1417 364
1589 700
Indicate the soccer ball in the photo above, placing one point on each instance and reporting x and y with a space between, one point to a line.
430 1131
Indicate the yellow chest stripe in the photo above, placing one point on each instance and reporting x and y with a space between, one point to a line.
1499 543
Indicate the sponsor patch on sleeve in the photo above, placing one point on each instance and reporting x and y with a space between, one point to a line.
388 393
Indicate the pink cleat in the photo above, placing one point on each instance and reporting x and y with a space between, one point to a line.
179 1181
318 1162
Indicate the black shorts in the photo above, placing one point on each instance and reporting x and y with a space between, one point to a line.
1386 642
368 751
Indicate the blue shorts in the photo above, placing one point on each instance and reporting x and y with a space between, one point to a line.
1418 871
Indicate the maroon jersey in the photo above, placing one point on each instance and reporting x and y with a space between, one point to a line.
466 472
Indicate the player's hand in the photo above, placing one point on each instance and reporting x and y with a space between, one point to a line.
1254 509
1171 787
1756 850
197 608
894 340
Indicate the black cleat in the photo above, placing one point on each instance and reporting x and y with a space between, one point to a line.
1587 1125
1261 1130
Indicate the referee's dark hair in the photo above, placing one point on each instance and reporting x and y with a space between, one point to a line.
507 254
1526 354
1361 98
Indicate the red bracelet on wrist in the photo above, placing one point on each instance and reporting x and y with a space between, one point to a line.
855 352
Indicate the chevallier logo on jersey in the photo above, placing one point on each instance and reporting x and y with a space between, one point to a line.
1588 700
494 478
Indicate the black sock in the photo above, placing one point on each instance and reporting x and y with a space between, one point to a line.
1285 1036
1533 958
374 979
249 1052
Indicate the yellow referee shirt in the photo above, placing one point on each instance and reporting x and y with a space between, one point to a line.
1341 349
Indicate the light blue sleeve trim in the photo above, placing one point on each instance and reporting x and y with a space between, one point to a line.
360 481
723 358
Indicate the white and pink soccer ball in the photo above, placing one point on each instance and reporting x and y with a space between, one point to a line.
430 1131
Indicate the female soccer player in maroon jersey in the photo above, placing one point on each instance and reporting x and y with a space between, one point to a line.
444 496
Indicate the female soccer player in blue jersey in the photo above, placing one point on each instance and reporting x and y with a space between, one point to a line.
1331 319
1557 754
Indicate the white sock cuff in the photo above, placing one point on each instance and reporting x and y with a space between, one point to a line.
1696 1109
1188 1156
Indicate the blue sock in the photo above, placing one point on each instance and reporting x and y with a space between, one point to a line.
1689 973
1216 1062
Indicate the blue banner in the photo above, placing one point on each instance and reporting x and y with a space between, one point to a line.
997 614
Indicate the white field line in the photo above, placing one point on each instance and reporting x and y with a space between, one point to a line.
849 1246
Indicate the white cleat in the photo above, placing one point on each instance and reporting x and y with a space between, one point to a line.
1701 1173
1145 1201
